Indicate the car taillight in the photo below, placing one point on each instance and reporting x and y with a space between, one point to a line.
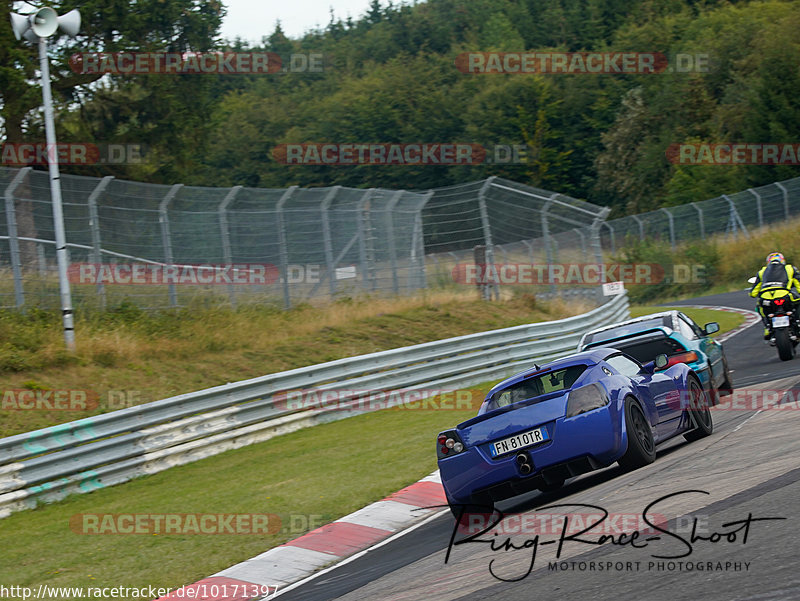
682 358
586 398
448 443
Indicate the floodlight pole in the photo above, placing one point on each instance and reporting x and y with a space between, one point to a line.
55 193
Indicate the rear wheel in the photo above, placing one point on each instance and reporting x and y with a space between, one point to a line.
784 344
699 413
641 445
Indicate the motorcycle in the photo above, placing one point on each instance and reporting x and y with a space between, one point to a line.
779 311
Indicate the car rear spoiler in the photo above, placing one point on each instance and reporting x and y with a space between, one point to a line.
644 336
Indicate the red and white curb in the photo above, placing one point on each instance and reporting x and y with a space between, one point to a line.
751 318
295 560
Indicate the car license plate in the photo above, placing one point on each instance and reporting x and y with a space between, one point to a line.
520 441
782 321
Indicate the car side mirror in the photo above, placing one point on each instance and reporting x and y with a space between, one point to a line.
710 328
751 280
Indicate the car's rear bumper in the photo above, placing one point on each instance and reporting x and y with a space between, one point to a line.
578 445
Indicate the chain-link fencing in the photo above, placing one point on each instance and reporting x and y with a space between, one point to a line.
734 214
169 246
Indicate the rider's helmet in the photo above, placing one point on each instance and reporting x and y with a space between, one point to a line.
775 258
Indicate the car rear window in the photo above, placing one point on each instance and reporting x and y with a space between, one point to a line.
529 388
629 329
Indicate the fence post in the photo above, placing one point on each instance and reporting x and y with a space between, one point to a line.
225 236
758 206
640 223
548 249
283 250
390 237
785 198
42 260
671 228
364 235
529 245
734 220
700 220
583 243
13 240
611 236
326 237
418 245
487 232
94 225
166 239
596 244
479 258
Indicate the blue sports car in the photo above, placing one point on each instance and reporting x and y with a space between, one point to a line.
573 415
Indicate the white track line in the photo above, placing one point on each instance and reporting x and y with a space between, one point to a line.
739 427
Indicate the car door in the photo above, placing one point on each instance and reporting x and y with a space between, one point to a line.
658 389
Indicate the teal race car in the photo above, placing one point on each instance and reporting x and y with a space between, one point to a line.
674 334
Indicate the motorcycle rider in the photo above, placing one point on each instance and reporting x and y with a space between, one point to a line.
776 274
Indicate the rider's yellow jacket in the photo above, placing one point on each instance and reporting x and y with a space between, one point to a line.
776 276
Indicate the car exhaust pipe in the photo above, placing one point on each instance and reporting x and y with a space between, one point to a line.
524 463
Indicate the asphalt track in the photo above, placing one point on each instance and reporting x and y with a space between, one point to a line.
748 468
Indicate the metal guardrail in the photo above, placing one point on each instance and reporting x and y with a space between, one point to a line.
96 452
